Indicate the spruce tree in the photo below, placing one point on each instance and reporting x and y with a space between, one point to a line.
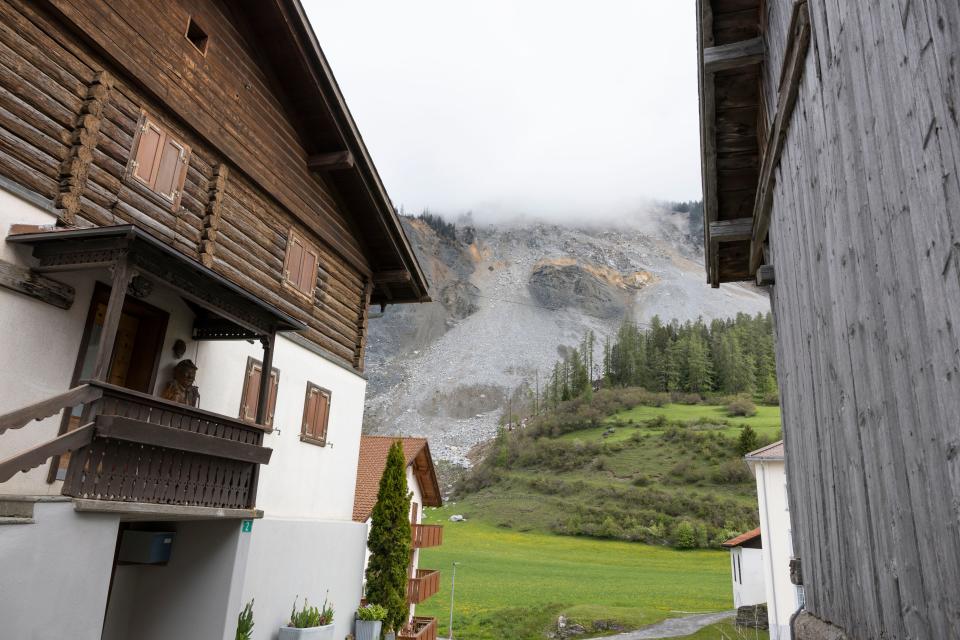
389 541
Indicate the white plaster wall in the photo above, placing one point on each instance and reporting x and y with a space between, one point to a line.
302 479
751 587
39 344
775 529
197 595
54 574
305 558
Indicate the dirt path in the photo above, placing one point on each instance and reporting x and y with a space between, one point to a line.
674 627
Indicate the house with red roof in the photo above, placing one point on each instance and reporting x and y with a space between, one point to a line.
425 492
746 568
783 598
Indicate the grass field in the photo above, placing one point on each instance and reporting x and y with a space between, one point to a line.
514 585
766 422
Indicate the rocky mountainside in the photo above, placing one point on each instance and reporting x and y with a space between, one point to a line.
507 300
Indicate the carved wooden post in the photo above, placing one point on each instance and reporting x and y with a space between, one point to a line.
122 274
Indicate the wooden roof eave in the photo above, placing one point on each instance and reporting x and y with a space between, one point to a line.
361 163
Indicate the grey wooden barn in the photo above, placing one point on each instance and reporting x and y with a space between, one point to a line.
831 171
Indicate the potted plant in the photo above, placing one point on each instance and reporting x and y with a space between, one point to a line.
390 634
369 620
245 623
309 622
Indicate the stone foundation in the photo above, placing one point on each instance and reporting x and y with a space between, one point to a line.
810 627
753 616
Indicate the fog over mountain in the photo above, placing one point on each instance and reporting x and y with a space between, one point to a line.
508 298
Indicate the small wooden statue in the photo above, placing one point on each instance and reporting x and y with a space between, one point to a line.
181 389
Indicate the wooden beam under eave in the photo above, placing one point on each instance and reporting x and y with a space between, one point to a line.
397 276
708 136
336 161
734 230
733 55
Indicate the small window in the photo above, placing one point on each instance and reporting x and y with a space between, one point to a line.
250 398
316 415
159 161
300 265
197 36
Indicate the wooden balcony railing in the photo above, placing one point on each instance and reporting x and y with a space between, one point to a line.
146 449
420 629
425 584
427 535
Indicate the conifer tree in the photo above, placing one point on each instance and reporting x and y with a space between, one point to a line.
389 541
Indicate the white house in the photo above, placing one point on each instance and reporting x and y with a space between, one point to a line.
425 492
783 598
182 185
746 568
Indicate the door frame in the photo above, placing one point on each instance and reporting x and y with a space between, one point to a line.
101 293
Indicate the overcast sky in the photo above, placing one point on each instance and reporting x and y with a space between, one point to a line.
560 109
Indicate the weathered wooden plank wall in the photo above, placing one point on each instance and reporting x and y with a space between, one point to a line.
45 78
865 238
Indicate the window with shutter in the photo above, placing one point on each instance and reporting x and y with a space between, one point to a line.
300 265
316 415
159 161
250 398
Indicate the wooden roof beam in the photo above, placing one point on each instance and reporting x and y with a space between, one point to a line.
397 276
336 161
734 55
731 230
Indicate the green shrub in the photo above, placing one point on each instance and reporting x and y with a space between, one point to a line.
771 399
389 541
742 406
731 472
245 622
685 537
747 441
309 616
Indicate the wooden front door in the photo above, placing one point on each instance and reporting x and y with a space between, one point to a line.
136 351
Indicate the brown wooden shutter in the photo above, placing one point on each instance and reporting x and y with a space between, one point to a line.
323 417
147 155
316 415
272 398
308 273
294 261
414 512
251 391
170 169
310 406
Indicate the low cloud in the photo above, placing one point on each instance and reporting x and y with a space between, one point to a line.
558 110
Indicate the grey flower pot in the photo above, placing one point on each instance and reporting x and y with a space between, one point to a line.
390 635
313 633
369 629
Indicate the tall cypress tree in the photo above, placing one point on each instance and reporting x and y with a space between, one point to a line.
389 541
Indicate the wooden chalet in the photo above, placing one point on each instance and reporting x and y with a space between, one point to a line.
182 185
831 173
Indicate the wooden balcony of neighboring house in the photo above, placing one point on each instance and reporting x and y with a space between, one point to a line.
424 584
427 535
419 629
121 449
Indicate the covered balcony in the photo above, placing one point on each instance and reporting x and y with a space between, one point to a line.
420 629
427 535
120 447
424 584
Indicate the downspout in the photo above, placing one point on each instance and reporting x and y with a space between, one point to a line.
793 621
766 521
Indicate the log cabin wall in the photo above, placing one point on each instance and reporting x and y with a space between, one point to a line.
865 239
69 113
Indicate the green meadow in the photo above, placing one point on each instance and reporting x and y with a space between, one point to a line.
513 584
